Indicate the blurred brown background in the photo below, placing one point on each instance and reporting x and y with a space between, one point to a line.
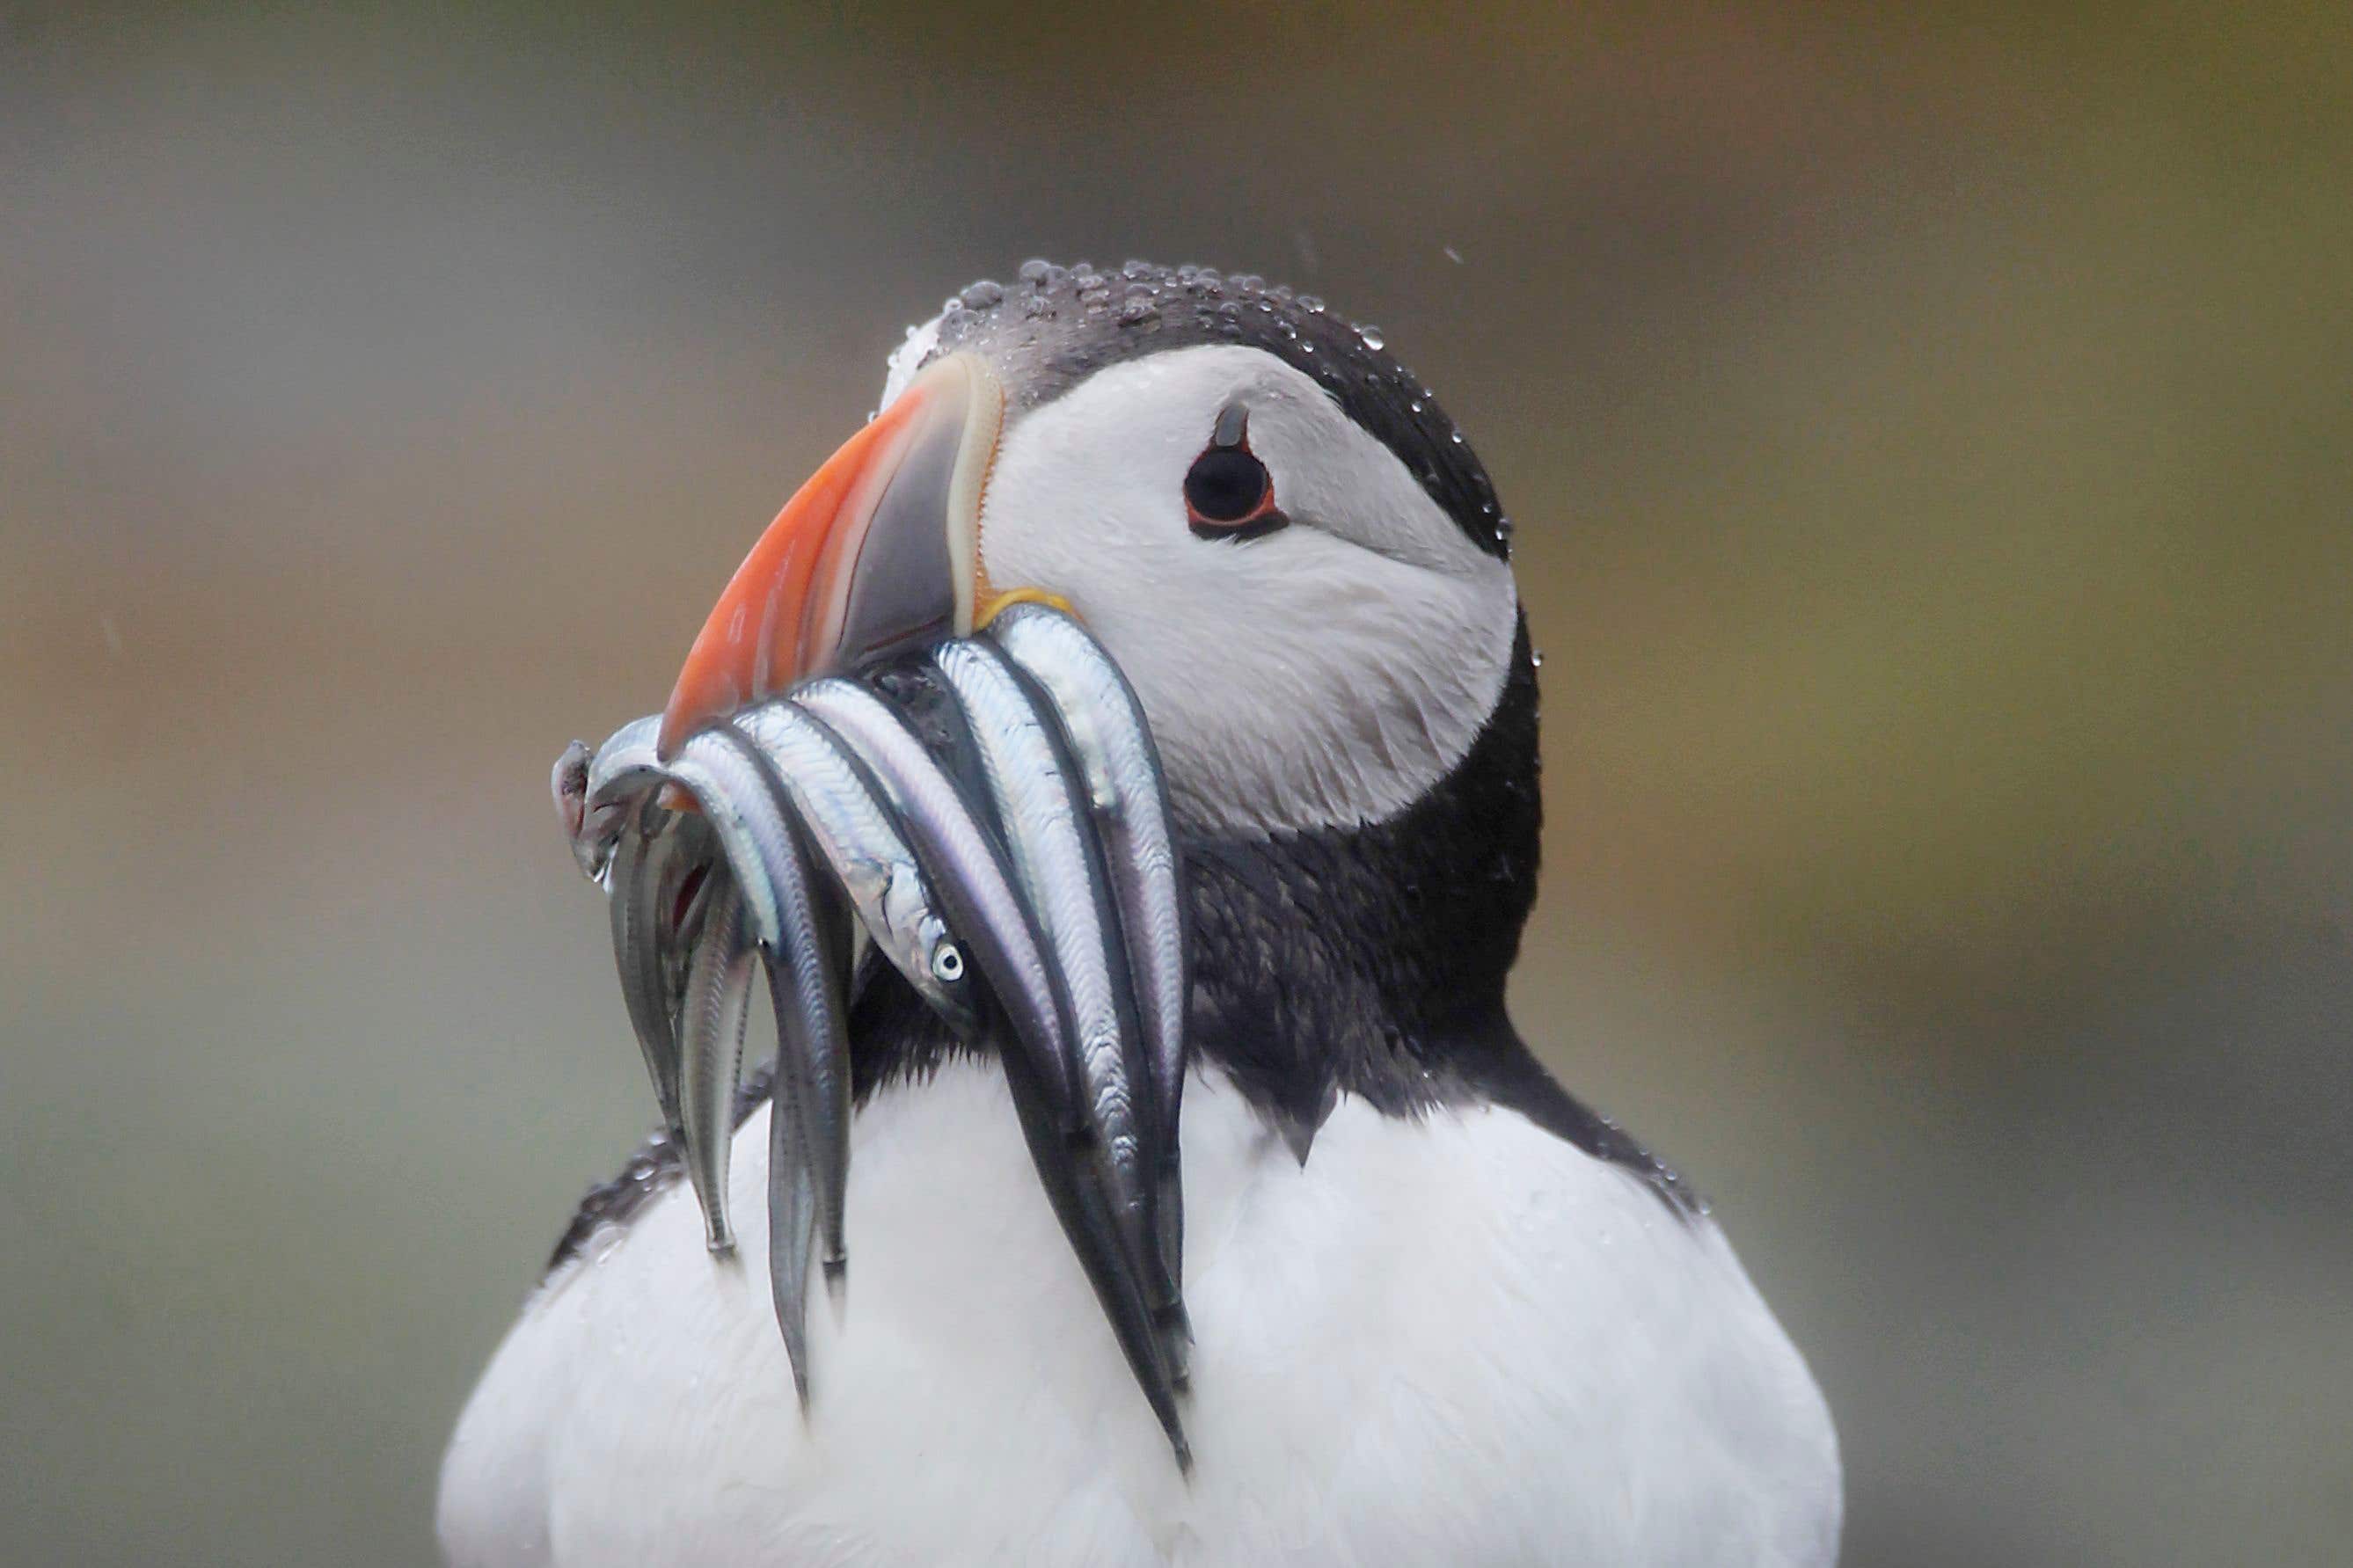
1929 437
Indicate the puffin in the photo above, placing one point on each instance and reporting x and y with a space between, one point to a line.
1441 1311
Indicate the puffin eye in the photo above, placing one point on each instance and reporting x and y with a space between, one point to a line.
1226 485
1228 494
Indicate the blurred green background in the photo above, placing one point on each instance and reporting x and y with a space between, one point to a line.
1929 435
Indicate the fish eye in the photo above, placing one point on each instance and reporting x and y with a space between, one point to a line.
947 964
1228 493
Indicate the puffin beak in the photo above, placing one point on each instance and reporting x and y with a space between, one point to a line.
877 552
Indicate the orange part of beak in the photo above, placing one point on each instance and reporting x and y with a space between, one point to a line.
878 551
751 644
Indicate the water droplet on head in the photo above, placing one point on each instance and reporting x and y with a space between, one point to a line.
1034 271
1372 336
980 296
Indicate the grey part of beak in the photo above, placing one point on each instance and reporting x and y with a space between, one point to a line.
902 588
916 573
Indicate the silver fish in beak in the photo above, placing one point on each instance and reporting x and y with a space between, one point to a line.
658 871
1103 725
802 946
1043 1068
623 771
656 866
711 1044
1047 826
849 824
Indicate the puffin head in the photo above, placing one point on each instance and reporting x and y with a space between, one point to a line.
1301 568
1267 519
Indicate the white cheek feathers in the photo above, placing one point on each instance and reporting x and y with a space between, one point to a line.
1326 675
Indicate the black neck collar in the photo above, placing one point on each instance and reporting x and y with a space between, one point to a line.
1371 960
